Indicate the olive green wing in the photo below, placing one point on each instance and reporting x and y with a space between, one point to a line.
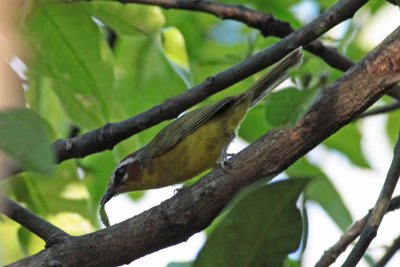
183 126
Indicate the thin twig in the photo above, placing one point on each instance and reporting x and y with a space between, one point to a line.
349 236
380 110
37 225
370 230
389 253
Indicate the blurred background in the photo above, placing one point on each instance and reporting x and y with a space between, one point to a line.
78 66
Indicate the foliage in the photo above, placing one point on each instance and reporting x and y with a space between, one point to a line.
78 77
271 231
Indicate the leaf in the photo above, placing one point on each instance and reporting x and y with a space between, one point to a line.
24 138
144 78
325 4
82 115
322 191
129 19
174 48
180 264
348 141
262 227
137 195
97 171
71 50
254 124
44 196
392 126
291 263
24 237
10 250
284 108
42 99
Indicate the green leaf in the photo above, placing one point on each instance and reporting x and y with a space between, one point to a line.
322 191
261 229
64 193
129 19
348 141
71 50
392 126
144 78
254 124
81 110
10 250
325 4
97 172
24 138
42 99
24 237
174 48
180 264
291 263
137 195
286 107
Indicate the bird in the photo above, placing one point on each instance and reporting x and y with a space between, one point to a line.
195 141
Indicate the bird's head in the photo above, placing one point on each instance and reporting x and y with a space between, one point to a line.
126 174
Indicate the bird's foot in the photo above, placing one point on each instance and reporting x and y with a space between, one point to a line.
224 161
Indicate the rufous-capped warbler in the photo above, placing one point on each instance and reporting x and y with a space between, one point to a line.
195 141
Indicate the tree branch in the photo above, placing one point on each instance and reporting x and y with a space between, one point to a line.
389 253
380 110
193 208
40 227
349 236
374 220
109 135
394 2
266 23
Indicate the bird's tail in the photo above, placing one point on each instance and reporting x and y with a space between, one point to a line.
274 77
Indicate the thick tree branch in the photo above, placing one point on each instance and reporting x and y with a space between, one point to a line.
349 236
374 220
40 227
193 208
109 135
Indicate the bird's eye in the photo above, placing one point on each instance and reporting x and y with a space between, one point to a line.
119 173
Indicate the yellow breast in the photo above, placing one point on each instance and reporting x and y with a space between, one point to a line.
197 152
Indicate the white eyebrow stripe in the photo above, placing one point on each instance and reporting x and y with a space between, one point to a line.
122 163
126 162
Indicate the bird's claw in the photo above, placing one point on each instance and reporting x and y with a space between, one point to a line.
224 162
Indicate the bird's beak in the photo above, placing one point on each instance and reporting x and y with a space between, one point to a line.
107 196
